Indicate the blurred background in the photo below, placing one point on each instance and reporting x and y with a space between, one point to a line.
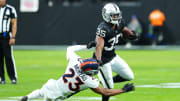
66 22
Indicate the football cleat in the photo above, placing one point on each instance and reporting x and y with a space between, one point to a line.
2 82
14 82
25 98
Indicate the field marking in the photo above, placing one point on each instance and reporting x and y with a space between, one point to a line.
161 85
70 99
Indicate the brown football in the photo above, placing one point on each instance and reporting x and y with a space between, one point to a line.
126 33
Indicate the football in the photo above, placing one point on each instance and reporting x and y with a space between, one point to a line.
127 33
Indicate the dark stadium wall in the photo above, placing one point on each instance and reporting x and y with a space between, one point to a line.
61 25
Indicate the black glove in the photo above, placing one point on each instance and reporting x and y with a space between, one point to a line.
128 87
91 44
134 36
100 62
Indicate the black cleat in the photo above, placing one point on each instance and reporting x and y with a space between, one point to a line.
105 98
25 98
13 82
2 82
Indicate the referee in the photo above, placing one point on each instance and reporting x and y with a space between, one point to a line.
8 28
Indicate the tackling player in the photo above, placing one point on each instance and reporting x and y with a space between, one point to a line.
108 34
77 77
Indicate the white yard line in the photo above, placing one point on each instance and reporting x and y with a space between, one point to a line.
161 85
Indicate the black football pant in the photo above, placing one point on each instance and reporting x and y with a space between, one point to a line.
6 53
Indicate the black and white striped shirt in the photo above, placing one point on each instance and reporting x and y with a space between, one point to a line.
7 13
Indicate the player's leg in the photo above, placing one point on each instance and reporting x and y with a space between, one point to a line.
2 76
45 92
36 94
124 72
105 76
160 34
33 95
10 62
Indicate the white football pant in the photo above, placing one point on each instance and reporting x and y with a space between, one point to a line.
117 65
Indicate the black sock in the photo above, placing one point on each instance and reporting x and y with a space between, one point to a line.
105 98
117 78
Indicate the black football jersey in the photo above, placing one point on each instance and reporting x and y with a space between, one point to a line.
111 39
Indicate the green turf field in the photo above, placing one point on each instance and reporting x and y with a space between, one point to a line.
151 67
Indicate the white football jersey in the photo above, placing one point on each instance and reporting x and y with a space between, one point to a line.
72 81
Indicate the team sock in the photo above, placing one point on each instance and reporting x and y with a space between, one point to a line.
105 98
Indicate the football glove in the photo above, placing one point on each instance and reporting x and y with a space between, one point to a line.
100 62
91 44
133 36
128 87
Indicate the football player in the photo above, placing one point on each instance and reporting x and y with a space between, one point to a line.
108 34
77 77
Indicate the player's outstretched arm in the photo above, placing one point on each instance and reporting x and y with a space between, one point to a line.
72 49
111 92
106 91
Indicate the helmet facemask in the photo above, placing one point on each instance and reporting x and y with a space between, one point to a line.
92 72
115 18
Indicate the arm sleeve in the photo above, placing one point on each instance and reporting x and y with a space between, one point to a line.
71 55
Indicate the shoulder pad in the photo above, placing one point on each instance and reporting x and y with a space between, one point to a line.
102 30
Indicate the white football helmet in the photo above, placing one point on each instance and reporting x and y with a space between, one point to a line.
111 13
